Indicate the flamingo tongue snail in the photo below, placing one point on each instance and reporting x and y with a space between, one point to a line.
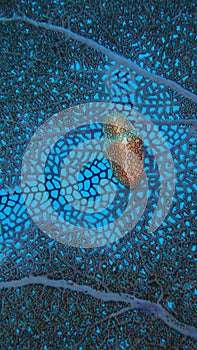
123 147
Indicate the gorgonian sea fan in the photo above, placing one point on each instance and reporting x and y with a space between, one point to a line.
58 58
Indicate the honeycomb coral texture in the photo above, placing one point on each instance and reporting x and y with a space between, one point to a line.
137 288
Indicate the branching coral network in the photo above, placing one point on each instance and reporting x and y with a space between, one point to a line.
130 300
91 43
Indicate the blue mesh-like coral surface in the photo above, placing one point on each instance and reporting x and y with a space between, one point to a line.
85 261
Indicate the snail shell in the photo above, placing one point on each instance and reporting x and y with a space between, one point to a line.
123 147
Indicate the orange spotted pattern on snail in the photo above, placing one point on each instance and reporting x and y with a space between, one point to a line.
123 147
